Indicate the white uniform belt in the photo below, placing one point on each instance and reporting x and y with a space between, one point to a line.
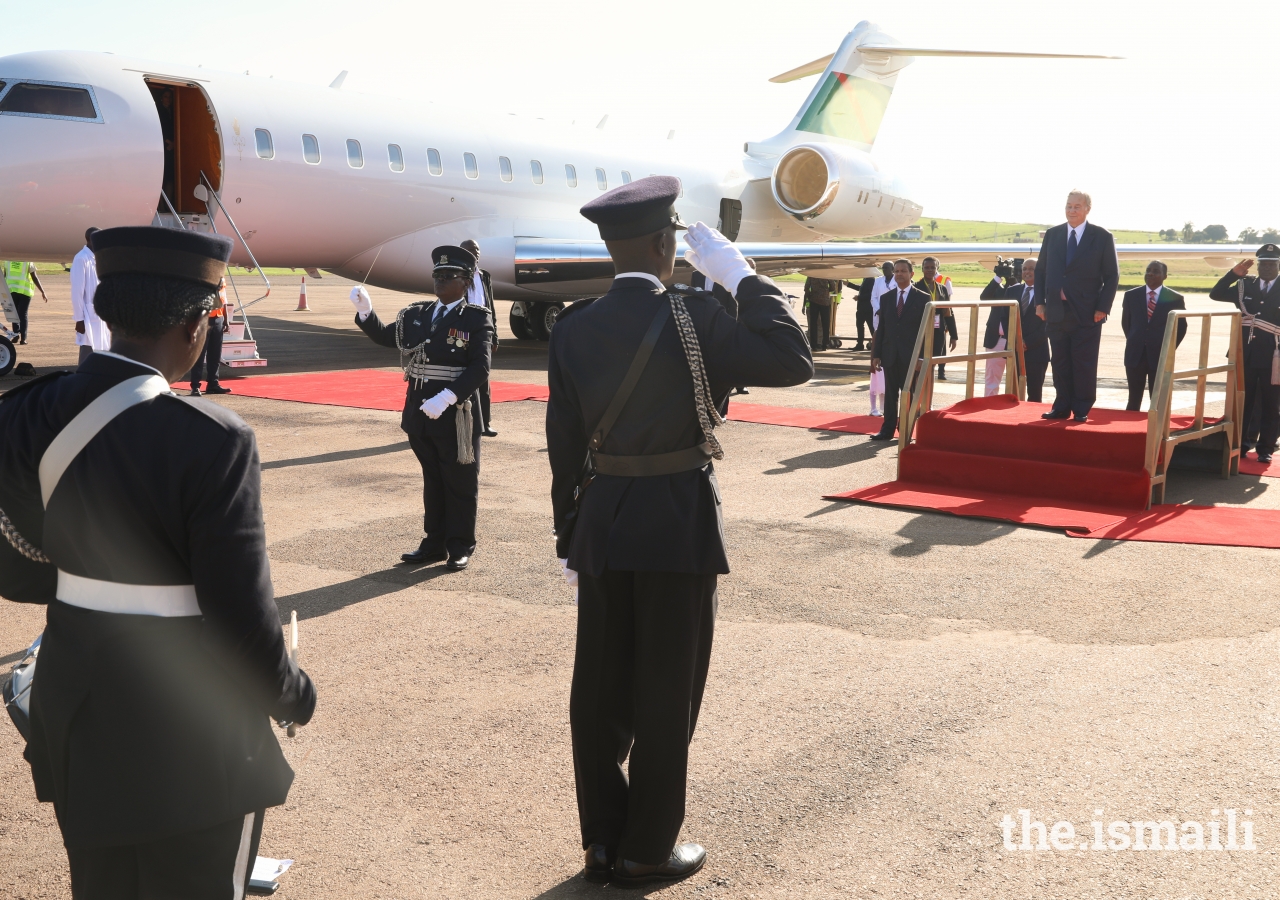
168 600
436 373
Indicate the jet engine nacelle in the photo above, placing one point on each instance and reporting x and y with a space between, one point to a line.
836 191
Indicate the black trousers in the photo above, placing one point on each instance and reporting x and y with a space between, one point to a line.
484 404
450 493
940 348
211 864
1141 377
1037 364
644 645
23 302
210 357
819 327
1262 399
895 378
1075 363
866 316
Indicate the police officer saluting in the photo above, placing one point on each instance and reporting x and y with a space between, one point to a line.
635 380
136 517
1259 299
445 347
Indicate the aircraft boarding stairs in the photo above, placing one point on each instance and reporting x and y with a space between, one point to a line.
239 348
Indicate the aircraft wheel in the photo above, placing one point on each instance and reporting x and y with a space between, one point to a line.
8 356
520 321
542 318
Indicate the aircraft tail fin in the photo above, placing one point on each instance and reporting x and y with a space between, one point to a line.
849 101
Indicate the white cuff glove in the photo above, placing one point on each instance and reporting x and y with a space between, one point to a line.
435 407
716 257
570 576
360 300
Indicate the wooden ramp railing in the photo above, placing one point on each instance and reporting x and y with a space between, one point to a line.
1161 438
917 394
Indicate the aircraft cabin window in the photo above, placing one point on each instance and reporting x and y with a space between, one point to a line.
355 156
504 168
601 181
535 167
571 176
395 158
434 165
626 177
49 100
311 149
262 138
469 164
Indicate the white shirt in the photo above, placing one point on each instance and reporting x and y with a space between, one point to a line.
134 361
1265 285
1079 233
645 275
882 286
475 293
84 282
442 311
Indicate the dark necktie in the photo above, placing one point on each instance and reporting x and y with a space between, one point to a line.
902 300
439 314
1072 245
1026 297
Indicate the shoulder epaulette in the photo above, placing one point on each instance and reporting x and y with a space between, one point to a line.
26 386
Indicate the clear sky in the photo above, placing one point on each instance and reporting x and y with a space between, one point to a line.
1185 128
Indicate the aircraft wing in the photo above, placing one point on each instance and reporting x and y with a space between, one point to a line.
570 266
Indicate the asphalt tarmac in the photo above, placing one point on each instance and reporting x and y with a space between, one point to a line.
886 685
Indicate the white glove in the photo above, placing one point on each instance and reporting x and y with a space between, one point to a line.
570 576
360 300
715 256
435 407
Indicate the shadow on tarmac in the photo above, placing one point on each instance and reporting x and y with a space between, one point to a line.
323 600
336 456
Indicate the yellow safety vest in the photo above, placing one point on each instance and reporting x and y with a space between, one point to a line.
17 275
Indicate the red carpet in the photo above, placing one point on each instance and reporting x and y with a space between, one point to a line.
803 418
359 388
1226 526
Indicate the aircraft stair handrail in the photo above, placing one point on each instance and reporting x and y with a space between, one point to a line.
916 398
212 195
173 212
1161 438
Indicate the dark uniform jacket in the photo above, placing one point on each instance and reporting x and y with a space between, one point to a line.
463 368
895 337
662 523
487 281
1090 282
145 726
1033 327
719 291
1256 353
946 317
1143 339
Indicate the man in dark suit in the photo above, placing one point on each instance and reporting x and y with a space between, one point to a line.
866 315
944 320
1076 281
481 294
1259 297
1144 314
1035 346
901 313
641 533
817 302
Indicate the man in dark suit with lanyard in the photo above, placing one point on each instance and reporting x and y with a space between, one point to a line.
445 346
136 517
1035 346
901 312
1076 281
635 378
481 294
1144 313
1258 297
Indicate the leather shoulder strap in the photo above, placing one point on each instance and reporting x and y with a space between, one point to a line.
633 375
88 422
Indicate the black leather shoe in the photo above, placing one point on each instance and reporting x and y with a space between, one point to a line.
1264 457
457 563
685 860
598 866
424 554
1082 417
195 392
489 432
881 436
1051 414
217 389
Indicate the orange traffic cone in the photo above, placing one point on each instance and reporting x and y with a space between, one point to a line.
302 297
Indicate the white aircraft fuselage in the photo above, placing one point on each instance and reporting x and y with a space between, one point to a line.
60 175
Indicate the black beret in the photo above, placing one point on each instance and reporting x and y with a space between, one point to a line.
453 258
165 252
1268 251
642 207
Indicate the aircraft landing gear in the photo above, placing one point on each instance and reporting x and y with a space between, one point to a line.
541 319
8 356
520 320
